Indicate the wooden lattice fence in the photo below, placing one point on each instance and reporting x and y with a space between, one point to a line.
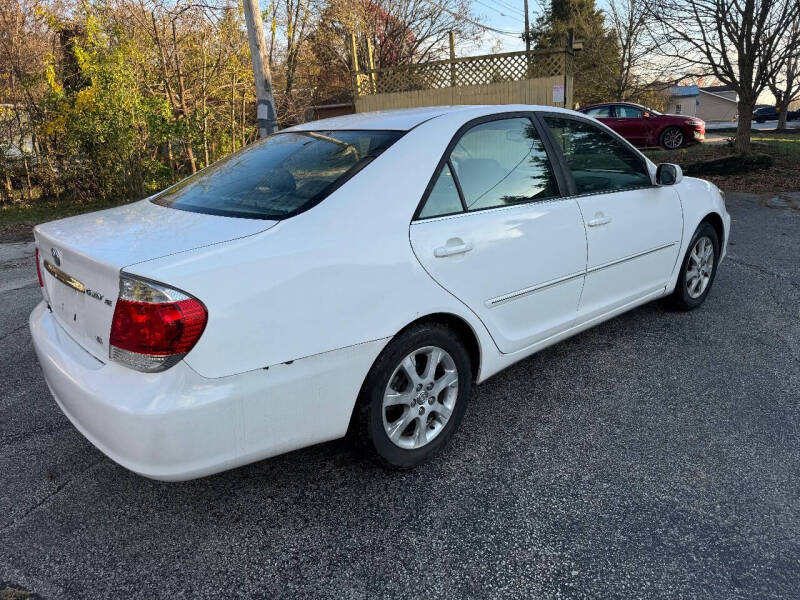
470 80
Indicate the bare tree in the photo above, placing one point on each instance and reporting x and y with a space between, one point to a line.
298 18
785 84
639 66
743 43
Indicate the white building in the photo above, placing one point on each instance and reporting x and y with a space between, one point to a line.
714 103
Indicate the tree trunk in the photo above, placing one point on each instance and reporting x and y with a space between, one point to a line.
205 107
182 98
173 165
9 187
28 179
783 113
244 107
233 111
745 108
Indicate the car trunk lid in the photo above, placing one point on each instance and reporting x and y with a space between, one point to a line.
81 258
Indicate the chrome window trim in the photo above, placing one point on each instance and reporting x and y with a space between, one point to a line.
490 209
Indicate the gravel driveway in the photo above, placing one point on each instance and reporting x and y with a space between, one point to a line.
654 456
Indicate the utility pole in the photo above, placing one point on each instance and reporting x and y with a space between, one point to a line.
527 30
265 110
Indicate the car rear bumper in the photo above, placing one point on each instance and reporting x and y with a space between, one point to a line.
177 425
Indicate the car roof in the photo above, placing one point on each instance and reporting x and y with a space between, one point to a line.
407 118
588 106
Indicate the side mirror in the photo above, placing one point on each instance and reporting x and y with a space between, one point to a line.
668 174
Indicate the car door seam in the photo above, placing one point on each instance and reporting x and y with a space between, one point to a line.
457 299
586 262
678 258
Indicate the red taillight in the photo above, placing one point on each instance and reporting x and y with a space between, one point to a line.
157 329
154 326
39 269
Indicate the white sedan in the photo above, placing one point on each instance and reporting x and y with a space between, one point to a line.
361 271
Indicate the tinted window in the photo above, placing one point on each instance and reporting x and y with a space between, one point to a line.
444 198
598 161
601 112
278 176
502 162
629 112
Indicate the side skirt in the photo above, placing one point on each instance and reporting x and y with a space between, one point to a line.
501 361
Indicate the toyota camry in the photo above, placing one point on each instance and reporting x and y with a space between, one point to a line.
357 273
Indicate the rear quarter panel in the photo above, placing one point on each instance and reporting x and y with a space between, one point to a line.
339 274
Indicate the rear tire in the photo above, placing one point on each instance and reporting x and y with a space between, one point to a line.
414 396
672 138
698 269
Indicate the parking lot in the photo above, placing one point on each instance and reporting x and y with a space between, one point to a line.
654 456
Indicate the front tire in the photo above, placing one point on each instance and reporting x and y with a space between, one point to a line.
698 270
415 395
672 138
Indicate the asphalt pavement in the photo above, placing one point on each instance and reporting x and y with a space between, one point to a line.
654 456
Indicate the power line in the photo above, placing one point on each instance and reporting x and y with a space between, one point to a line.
497 10
509 6
515 34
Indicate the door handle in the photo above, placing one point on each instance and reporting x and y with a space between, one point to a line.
599 219
452 249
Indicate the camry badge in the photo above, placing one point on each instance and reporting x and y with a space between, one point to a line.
56 256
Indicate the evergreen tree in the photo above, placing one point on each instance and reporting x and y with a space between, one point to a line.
595 64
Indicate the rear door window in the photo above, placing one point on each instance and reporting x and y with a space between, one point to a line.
503 162
629 112
444 198
279 176
496 163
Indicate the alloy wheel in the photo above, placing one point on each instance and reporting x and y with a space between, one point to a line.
420 397
700 267
673 138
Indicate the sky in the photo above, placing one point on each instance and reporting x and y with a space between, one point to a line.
505 15
508 16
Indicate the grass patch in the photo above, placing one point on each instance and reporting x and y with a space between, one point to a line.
17 220
787 144
782 176
8 592
40 211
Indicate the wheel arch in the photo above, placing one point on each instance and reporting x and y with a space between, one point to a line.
667 128
715 220
463 330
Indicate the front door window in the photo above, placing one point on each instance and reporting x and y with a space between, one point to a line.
598 161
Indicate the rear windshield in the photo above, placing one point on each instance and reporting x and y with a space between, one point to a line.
279 176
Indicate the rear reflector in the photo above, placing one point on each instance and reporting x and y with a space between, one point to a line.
154 326
39 269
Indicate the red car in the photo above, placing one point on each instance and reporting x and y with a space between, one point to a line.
643 126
